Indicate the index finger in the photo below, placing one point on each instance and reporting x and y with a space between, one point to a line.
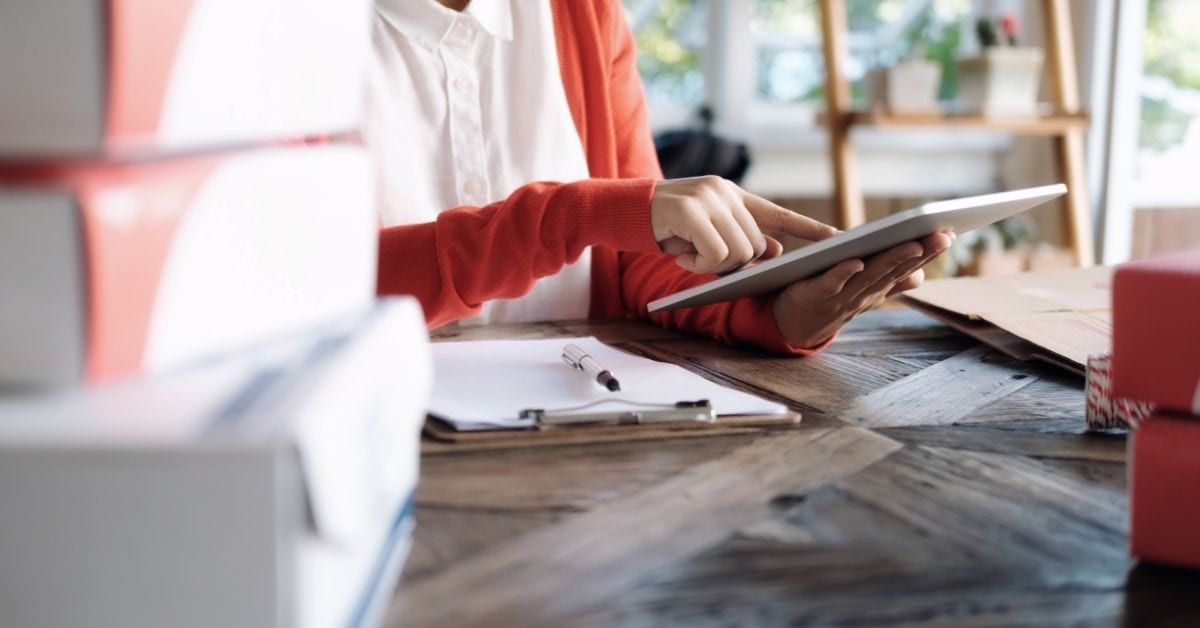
776 219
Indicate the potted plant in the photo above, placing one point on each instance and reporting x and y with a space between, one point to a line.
1003 80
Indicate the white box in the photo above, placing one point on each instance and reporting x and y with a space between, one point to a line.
270 489
111 269
84 77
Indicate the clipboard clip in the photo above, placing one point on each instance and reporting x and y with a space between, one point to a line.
699 411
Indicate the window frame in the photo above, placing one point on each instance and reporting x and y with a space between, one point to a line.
731 92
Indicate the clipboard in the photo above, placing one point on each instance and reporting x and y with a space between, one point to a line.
441 438
518 393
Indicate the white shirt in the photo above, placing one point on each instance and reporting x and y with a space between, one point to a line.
465 107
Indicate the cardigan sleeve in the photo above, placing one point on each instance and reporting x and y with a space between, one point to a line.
645 276
473 254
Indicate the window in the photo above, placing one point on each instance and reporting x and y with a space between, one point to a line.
788 40
1169 129
670 37
759 64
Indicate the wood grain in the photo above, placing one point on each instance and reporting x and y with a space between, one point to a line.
924 536
985 505
941 394
604 551
1044 439
620 331
570 478
452 534
517 331
817 384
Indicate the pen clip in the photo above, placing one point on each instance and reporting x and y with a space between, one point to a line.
572 363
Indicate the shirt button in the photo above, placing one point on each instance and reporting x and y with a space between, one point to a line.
461 83
473 187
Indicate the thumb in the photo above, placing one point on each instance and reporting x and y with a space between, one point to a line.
773 218
774 248
675 245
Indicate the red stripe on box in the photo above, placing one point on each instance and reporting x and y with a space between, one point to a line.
143 36
131 214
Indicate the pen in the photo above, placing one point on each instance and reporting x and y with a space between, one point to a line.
579 360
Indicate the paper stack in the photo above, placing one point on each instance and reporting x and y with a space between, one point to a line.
1156 360
205 416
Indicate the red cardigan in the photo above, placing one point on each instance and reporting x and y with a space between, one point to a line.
472 254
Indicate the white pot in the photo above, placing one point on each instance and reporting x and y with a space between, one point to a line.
1001 82
909 86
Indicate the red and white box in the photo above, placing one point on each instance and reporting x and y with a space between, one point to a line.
113 269
1103 411
1156 339
89 77
1164 487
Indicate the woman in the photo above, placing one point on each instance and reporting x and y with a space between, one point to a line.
474 104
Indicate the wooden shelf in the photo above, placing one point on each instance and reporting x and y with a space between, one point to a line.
1064 130
1040 125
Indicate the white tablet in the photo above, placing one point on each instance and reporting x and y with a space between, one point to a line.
959 214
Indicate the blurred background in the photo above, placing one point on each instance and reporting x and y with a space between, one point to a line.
759 66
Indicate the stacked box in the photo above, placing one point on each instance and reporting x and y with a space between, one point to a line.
115 269
268 488
1164 476
205 415
1156 360
150 77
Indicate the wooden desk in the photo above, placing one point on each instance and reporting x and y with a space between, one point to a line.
931 480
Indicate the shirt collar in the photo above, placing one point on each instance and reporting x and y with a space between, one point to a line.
428 21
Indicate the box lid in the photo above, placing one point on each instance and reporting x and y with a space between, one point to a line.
347 402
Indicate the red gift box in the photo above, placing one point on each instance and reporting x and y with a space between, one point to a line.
1156 338
112 269
137 77
1164 490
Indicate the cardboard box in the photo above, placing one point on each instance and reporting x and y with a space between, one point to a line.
86 77
1164 476
1058 316
1156 341
268 489
113 269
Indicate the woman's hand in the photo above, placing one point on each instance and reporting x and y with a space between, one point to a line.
810 312
713 226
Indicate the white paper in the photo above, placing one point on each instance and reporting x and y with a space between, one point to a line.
486 384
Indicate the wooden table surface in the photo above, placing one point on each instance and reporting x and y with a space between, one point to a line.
931 481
